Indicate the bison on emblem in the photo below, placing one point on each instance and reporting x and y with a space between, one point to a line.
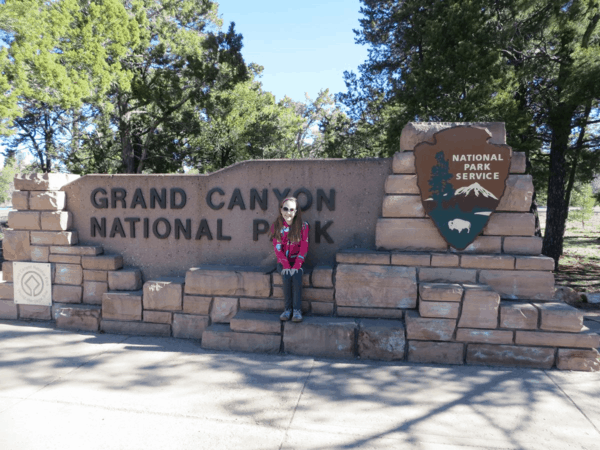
460 225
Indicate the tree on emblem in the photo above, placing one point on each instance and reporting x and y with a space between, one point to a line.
439 183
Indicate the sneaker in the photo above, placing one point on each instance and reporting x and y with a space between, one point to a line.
297 316
286 315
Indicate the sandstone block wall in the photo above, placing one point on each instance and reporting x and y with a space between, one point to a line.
489 304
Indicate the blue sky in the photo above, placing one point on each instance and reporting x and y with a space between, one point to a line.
303 46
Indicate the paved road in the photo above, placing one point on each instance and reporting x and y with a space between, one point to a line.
68 390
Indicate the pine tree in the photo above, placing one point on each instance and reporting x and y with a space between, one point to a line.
439 183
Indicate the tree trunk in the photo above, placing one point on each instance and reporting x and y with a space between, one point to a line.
48 143
560 123
127 156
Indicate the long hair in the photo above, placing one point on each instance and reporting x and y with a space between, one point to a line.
295 233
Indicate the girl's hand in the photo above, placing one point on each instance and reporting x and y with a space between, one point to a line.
285 271
293 271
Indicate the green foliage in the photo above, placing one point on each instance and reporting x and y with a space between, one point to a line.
242 123
7 175
429 61
583 199
533 64
182 59
61 57
111 85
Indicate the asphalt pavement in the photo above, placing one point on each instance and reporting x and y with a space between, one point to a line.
73 390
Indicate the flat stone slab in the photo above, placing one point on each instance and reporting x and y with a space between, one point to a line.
522 316
135 328
220 337
559 317
518 194
479 307
441 292
441 310
436 352
262 304
35 312
426 329
81 250
196 305
585 339
189 326
381 339
228 281
126 279
520 284
77 317
253 322
42 181
411 259
362 256
322 277
484 336
320 336
376 286
163 294
8 310
415 133
102 262
510 355
224 309
447 275
122 306
374 313
577 359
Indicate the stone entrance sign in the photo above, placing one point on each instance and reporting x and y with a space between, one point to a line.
32 283
446 258
462 178
165 224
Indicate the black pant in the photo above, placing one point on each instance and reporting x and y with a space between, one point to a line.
292 288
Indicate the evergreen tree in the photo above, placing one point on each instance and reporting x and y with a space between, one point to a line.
582 199
59 58
533 64
439 182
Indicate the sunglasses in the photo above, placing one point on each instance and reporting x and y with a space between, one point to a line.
286 209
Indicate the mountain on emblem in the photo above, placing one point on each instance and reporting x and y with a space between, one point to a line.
475 189
461 178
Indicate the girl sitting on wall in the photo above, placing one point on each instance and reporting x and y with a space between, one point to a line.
290 240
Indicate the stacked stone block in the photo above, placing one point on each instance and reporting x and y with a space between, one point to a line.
247 331
81 275
39 223
412 299
507 254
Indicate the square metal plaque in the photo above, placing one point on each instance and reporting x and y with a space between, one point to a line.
32 283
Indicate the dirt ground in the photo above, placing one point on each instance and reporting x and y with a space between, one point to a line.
579 267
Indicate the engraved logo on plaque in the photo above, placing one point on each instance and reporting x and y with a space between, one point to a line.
461 178
32 283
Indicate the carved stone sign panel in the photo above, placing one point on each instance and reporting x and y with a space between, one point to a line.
32 283
165 224
461 177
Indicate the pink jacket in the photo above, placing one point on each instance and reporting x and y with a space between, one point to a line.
291 255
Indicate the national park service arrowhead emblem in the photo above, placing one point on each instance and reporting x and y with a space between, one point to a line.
461 177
